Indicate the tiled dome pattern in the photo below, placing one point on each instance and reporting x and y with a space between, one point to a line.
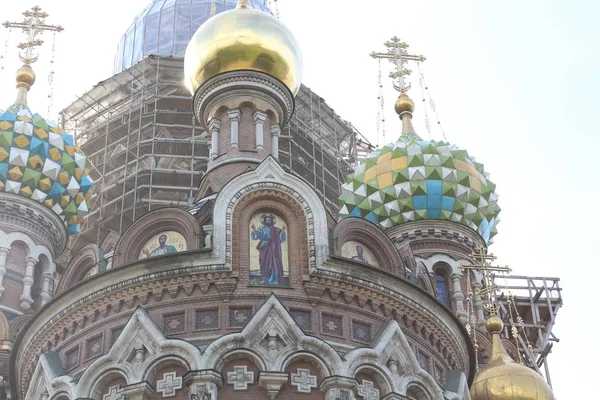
40 162
413 180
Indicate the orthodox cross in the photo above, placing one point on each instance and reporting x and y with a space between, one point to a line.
33 25
483 265
397 54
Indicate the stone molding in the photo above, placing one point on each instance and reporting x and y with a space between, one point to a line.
444 230
34 220
243 84
144 228
372 236
87 257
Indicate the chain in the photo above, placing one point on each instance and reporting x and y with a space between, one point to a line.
421 84
51 78
431 102
472 320
4 53
381 109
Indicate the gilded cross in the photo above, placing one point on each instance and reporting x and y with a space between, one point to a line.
33 25
483 265
398 55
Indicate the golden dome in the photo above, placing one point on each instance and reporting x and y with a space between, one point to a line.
25 75
404 104
243 39
503 379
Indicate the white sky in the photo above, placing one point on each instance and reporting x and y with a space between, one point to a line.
515 83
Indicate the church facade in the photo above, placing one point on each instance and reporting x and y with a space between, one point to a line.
256 290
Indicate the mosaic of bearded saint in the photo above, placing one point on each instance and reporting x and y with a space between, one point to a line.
271 246
166 242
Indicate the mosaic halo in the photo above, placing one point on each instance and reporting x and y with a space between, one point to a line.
414 179
40 162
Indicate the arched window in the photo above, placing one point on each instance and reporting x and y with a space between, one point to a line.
441 285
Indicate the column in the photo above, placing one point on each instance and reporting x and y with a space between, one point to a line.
275 133
459 298
3 254
214 125
203 384
272 382
138 391
207 229
234 117
478 304
259 123
45 294
339 387
26 299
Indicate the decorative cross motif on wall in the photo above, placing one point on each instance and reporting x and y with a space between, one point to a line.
304 381
367 391
240 378
169 384
114 393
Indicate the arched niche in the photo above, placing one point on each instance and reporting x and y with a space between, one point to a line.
248 212
81 264
154 224
362 232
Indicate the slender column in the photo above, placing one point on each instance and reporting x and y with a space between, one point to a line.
478 304
138 391
207 229
339 387
272 382
25 298
203 384
45 294
3 254
214 125
234 117
275 133
259 123
459 298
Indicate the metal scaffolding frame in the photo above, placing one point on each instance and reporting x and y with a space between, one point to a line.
148 151
537 300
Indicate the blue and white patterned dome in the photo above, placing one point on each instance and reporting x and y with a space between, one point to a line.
165 27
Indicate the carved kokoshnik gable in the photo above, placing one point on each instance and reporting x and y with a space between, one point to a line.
271 356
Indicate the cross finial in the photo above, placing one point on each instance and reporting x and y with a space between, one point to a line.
33 25
483 265
397 54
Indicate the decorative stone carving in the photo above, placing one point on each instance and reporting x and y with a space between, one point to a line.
272 382
170 384
303 380
114 393
199 392
367 391
207 236
240 378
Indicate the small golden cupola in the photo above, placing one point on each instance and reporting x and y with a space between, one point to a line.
243 39
504 379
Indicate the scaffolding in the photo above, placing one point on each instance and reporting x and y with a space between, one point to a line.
537 300
148 150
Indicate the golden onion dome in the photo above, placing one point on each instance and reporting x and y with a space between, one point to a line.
503 379
243 39
404 104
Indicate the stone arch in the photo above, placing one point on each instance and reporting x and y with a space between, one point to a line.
92 386
269 175
165 360
423 279
363 231
17 324
453 264
4 327
380 377
226 355
164 219
316 359
417 391
86 258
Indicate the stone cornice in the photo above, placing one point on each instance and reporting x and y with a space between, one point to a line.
33 219
444 230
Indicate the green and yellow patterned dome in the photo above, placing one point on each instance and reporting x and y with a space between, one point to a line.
41 162
414 179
